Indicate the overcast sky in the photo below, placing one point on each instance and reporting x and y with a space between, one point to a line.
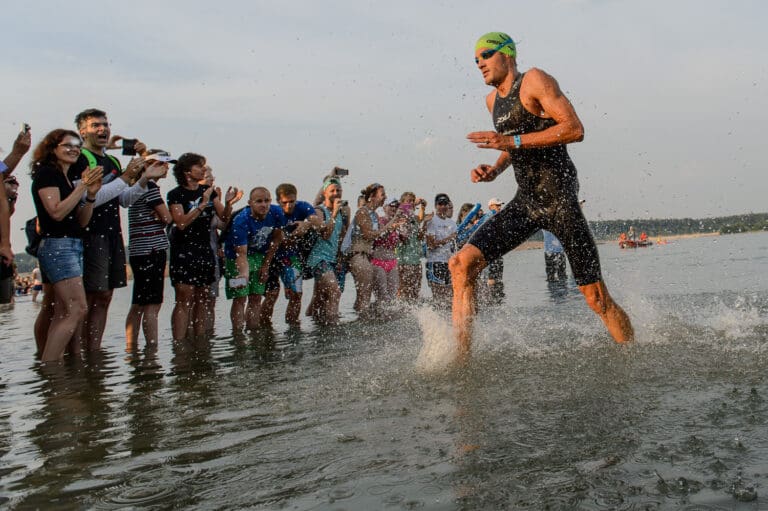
672 94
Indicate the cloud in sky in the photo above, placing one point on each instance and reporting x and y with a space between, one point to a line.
671 94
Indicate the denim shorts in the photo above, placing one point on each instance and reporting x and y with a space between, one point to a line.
61 258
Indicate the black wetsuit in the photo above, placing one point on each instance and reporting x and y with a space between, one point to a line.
547 195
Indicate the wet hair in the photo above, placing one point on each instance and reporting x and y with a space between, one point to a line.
285 189
183 164
87 114
44 152
369 190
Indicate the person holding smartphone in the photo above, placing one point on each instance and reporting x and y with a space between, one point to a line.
147 251
324 258
20 147
249 247
409 252
104 249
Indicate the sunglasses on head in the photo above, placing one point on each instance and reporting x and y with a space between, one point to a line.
485 55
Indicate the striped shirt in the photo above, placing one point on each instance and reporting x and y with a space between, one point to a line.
145 232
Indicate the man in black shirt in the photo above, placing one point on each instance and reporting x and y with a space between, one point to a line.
104 251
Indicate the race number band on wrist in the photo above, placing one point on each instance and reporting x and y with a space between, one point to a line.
518 142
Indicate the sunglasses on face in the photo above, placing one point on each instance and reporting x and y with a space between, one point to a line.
485 55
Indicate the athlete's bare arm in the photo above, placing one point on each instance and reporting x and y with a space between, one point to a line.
541 96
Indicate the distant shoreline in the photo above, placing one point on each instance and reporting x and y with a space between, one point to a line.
539 245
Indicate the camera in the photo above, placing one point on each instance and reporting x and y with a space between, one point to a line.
25 127
129 146
344 204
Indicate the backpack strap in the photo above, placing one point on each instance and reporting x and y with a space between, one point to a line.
92 159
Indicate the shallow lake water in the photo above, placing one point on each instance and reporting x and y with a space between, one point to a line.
548 414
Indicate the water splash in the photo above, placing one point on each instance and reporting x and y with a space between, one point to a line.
438 350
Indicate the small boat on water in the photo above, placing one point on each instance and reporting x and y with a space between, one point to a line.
628 239
634 244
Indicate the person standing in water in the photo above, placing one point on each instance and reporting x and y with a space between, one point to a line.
534 122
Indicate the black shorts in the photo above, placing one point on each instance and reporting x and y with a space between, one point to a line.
193 265
103 262
523 216
148 278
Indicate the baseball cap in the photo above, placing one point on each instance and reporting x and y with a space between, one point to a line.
495 201
442 198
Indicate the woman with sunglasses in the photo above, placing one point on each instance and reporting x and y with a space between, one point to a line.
63 210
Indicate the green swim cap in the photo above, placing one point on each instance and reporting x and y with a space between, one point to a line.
491 40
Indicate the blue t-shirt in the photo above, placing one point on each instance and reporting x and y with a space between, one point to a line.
301 211
551 243
257 234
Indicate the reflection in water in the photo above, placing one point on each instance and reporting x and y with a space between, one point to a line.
144 405
549 412
72 433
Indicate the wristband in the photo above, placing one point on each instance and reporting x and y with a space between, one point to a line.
90 201
518 142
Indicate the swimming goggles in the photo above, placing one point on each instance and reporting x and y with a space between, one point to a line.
485 55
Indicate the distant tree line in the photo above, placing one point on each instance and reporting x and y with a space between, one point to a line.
611 229
660 227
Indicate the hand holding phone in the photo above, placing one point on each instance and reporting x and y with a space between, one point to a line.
129 146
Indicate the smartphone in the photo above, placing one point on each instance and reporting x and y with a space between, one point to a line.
238 282
129 146
344 204
338 171
25 127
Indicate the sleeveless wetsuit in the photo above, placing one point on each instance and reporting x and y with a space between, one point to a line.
547 195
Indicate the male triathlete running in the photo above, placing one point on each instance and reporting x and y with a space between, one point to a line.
534 121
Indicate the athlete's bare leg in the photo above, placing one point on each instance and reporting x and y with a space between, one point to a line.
465 266
613 316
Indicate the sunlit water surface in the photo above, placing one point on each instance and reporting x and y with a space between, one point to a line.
548 414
